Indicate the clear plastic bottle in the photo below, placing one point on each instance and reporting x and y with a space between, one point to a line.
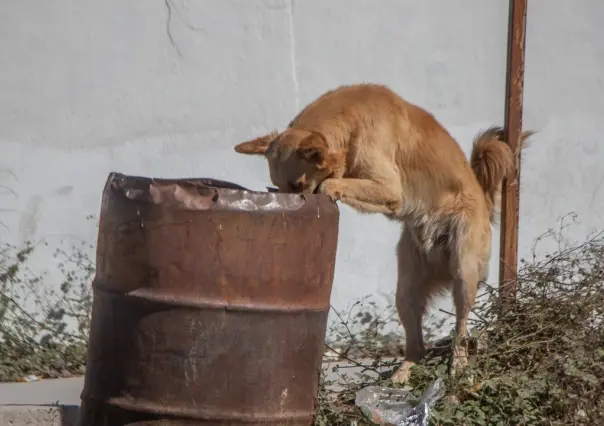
390 407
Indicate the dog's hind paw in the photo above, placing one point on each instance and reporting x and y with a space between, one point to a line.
403 373
458 363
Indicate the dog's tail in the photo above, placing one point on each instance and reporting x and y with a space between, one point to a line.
492 159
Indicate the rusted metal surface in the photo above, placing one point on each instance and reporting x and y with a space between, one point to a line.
510 202
210 304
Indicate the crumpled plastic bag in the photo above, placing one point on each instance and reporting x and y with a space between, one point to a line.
389 406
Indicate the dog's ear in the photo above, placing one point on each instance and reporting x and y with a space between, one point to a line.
257 146
313 149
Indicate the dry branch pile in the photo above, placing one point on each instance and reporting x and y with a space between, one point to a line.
538 362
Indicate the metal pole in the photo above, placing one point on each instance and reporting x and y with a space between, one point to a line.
510 200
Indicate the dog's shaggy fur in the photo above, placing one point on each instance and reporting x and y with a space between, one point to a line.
369 148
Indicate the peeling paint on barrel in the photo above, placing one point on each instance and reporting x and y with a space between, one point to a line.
197 351
210 304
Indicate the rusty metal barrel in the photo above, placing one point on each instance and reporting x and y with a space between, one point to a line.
210 304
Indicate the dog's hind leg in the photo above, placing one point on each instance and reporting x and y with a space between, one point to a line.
469 266
411 300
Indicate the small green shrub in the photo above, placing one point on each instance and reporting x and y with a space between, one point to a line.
43 332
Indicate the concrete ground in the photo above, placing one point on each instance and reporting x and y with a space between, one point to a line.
55 402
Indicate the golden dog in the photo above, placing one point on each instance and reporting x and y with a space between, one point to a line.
366 146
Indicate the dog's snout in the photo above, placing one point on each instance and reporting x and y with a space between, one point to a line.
295 187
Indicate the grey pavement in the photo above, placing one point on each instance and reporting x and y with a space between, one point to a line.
43 392
53 402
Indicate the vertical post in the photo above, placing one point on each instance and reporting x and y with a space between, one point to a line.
510 200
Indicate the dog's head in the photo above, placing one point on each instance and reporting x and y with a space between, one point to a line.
298 160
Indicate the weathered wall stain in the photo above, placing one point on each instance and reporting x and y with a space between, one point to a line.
28 225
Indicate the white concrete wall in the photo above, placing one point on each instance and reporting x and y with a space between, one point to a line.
89 87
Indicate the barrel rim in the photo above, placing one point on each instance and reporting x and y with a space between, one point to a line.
227 195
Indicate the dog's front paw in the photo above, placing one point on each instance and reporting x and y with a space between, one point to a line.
331 188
